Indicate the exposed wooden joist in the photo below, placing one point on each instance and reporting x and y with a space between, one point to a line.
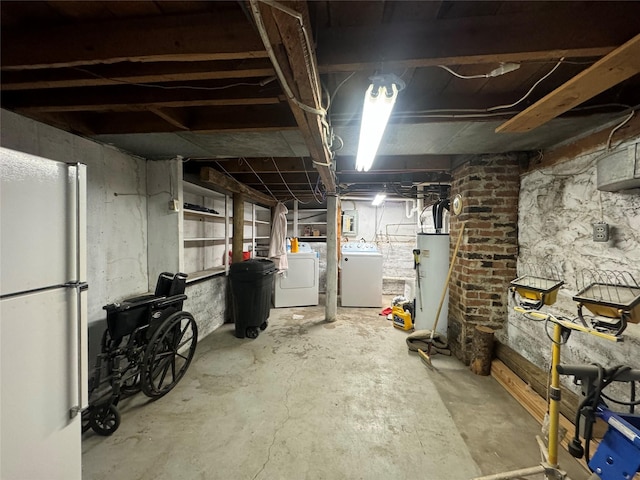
296 58
619 65
175 117
131 98
166 38
213 177
253 118
487 39
484 59
384 163
266 165
119 74
398 163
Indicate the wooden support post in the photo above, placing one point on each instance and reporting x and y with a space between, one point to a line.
482 350
238 227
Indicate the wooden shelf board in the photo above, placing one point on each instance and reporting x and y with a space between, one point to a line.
197 213
204 239
210 272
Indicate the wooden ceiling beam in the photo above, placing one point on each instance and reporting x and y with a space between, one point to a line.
399 163
266 165
252 118
488 39
213 177
199 37
130 98
344 164
451 60
177 118
619 65
284 35
122 74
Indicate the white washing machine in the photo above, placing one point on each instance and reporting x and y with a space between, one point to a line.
298 286
361 275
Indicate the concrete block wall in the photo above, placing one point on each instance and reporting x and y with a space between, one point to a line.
131 234
116 211
207 301
486 260
395 235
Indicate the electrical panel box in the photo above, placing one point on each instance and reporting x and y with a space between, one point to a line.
620 170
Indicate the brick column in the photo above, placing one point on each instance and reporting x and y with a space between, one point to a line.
486 262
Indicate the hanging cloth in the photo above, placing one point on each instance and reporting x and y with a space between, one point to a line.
278 242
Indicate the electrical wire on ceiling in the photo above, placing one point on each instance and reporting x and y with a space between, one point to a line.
244 160
313 190
606 150
285 183
496 72
261 83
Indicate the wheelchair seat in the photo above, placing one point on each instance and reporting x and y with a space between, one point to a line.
132 313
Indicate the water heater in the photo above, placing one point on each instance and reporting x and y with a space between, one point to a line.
433 270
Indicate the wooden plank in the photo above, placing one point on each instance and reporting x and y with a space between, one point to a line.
297 61
118 74
532 402
129 98
329 66
619 65
212 176
175 117
535 378
166 38
249 118
576 32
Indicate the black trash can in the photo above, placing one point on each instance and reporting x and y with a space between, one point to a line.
251 286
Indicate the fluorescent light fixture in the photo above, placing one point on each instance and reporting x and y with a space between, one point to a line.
379 199
378 103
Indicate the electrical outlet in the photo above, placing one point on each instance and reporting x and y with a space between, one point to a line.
601 232
174 205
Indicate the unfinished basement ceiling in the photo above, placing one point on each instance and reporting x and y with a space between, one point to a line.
194 79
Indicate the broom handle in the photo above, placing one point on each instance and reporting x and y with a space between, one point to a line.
446 283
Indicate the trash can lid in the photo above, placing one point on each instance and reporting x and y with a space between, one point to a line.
254 265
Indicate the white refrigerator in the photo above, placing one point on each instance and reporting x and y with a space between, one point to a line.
43 330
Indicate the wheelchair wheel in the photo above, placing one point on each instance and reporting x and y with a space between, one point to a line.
168 354
104 420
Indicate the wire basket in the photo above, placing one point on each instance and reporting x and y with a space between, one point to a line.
537 285
613 295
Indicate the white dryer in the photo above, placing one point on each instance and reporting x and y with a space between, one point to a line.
361 275
298 285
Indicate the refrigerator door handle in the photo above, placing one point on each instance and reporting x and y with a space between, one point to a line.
81 368
82 394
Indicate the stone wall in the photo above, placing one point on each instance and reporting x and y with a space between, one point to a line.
557 208
486 260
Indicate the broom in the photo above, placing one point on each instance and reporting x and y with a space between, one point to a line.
425 356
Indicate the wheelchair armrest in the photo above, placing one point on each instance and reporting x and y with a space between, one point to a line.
168 301
136 302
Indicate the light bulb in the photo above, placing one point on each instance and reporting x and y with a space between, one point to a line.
375 115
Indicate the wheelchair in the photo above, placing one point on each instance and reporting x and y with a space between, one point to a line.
148 346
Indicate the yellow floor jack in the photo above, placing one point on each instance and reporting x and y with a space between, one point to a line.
402 314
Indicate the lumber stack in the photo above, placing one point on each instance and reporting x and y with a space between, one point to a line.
532 402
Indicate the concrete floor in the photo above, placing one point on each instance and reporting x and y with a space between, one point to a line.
312 400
